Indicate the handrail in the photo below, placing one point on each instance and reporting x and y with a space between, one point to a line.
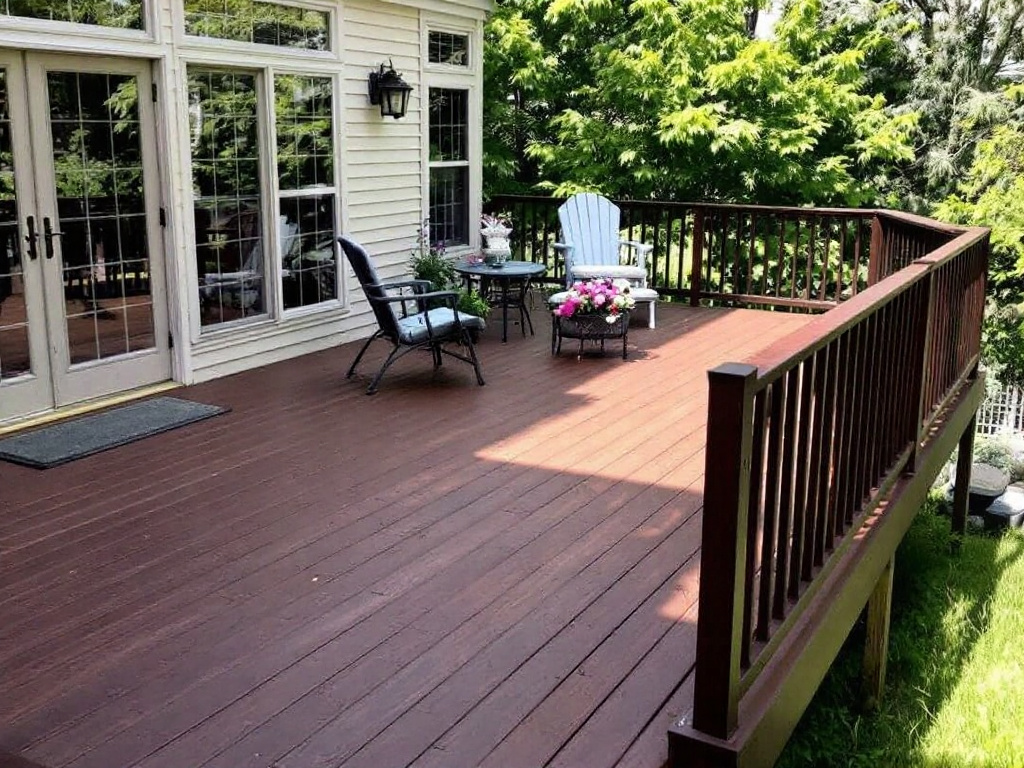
817 430
802 259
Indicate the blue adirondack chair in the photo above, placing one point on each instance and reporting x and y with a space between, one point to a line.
591 247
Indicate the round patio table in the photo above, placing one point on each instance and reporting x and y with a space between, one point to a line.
513 280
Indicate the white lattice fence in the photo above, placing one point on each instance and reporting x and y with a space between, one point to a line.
1002 413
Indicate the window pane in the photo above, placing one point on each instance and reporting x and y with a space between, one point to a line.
305 139
123 14
449 205
309 256
226 188
446 48
449 134
250 21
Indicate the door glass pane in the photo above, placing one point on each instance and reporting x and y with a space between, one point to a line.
14 352
101 227
123 14
226 192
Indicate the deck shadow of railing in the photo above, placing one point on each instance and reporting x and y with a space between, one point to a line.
821 448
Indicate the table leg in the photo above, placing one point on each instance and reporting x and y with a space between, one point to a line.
504 310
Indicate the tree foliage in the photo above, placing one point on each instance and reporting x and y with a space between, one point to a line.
673 99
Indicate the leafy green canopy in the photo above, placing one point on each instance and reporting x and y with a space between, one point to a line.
991 193
672 99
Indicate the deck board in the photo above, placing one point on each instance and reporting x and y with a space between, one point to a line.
440 575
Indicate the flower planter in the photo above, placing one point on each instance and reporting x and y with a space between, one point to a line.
593 328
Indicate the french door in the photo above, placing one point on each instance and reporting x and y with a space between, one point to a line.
83 310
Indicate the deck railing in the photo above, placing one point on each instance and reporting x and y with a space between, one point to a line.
807 439
804 258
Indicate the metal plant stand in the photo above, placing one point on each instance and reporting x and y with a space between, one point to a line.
593 328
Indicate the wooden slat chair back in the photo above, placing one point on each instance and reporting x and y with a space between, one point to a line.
424 319
591 246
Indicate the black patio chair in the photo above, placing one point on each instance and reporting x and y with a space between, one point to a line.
432 325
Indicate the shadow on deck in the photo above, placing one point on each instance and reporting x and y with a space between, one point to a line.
440 575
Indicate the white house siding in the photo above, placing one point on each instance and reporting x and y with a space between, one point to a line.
382 163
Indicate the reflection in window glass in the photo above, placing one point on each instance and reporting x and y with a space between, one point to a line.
305 167
122 14
449 166
449 205
224 133
449 132
250 21
446 48
309 256
96 135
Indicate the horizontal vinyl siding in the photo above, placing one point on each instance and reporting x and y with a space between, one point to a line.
383 156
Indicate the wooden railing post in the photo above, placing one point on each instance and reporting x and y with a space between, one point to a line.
876 257
723 548
697 256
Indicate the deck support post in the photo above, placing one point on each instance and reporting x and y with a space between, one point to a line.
962 487
876 643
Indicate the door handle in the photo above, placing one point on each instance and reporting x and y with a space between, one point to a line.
48 235
31 237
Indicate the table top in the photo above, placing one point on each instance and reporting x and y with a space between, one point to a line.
509 269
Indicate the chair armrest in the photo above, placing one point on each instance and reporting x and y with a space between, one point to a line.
416 285
450 298
565 249
642 249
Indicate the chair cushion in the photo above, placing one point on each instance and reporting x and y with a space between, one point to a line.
413 329
587 271
638 294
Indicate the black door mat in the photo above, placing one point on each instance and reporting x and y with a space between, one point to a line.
77 438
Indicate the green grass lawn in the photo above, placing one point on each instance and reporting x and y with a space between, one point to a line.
955 684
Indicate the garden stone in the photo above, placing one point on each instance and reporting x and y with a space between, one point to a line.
975 522
987 484
1007 510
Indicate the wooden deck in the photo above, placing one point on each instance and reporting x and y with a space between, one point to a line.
440 575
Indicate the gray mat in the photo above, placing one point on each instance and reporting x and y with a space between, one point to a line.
70 440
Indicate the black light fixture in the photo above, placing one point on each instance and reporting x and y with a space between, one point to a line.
388 89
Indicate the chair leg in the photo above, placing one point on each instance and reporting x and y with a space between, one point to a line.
650 314
352 368
476 363
396 353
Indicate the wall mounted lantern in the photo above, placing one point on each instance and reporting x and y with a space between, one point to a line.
388 89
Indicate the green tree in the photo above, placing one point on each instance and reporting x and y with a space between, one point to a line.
992 194
673 99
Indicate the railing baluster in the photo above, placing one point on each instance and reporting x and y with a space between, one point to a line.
802 458
785 531
754 521
766 587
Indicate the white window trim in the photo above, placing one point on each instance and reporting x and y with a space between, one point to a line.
274 314
280 313
459 78
218 47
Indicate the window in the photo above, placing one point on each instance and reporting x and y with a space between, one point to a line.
231 208
305 167
122 14
448 48
449 166
251 21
